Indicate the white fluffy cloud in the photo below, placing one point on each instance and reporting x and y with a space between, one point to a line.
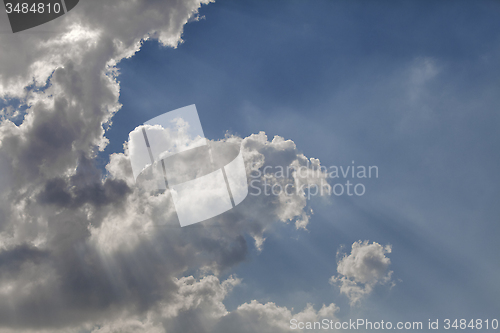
95 34
270 318
365 267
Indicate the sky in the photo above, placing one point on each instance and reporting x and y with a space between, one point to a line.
408 87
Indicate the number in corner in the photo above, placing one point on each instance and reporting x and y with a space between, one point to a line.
35 8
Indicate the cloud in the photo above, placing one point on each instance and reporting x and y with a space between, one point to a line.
196 306
83 250
270 318
365 267
199 307
96 247
96 33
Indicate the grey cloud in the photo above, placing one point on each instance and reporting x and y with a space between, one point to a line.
81 250
198 306
11 260
85 186
115 247
55 196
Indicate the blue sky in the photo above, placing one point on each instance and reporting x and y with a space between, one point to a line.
408 86
411 87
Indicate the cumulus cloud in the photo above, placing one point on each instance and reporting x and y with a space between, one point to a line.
97 247
365 267
196 306
271 318
199 307
83 250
